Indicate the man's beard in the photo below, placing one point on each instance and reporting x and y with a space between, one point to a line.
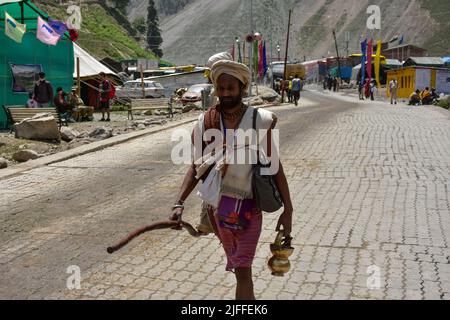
230 102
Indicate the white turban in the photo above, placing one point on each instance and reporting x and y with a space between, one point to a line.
217 57
235 69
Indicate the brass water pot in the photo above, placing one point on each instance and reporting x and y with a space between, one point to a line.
279 264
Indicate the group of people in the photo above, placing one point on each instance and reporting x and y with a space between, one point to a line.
69 105
367 90
291 87
331 83
424 97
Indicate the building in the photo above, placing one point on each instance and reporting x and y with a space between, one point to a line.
411 78
403 52
20 63
434 62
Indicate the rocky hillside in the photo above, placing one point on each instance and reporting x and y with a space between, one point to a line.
195 29
105 31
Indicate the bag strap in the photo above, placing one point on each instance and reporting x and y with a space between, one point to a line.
255 115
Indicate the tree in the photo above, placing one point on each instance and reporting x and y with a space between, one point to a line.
154 38
140 25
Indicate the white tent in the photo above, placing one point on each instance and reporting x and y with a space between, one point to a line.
89 66
355 71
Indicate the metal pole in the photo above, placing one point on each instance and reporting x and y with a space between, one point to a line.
286 55
142 83
337 52
251 49
78 78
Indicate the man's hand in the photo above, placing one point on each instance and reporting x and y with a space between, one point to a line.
176 215
285 220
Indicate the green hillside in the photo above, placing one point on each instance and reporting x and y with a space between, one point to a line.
105 32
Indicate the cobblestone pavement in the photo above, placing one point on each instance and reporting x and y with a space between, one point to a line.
371 190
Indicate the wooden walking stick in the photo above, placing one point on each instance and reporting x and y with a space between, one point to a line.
175 225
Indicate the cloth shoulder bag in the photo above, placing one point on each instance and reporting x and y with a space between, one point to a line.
265 190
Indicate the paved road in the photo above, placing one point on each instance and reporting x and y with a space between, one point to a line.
371 190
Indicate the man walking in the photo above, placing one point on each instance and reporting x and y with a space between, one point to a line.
393 91
296 88
105 88
236 219
43 92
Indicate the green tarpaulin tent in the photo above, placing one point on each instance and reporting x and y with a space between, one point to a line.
20 62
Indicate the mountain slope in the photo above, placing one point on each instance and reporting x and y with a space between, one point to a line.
195 29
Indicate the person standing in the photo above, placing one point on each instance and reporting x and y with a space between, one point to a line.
43 92
361 90
372 89
296 88
31 103
105 89
236 219
289 92
393 87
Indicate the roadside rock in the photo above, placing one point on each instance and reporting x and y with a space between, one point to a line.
68 134
42 126
80 142
141 126
155 122
3 163
25 155
101 133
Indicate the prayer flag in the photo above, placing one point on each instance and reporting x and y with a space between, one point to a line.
363 61
46 34
59 26
369 59
13 29
377 63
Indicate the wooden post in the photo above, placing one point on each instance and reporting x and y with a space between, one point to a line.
286 55
337 53
142 83
78 78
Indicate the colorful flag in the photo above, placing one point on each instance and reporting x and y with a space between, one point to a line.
13 29
265 58
401 40
377 63
363 61
260 60
255 57
59 26
369 59
46 34
73 35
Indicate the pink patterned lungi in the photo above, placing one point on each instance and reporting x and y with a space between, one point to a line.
240 245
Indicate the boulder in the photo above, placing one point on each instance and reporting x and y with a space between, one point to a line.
42 126
25 155
3 163
148 112
138 122
2 144
256 101
101 133
68 134
141 126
